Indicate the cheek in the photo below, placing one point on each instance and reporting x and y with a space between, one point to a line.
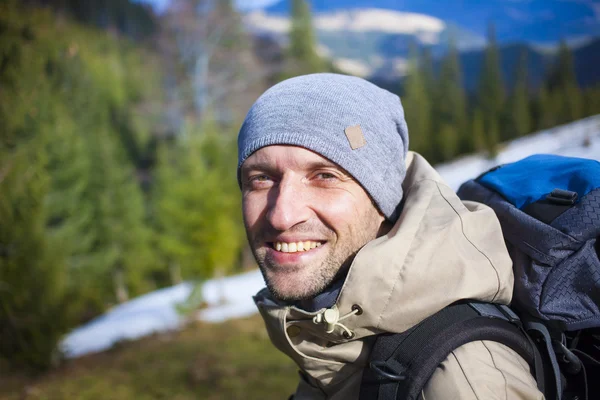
253 207
338 209
351 212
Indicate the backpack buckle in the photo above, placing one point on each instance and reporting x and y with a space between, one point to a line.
564 197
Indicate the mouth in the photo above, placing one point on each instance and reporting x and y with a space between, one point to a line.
295 247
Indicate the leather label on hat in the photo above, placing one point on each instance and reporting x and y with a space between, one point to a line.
355 137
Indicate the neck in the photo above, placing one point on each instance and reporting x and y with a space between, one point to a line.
325 299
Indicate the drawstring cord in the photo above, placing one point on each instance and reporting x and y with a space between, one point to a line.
331 318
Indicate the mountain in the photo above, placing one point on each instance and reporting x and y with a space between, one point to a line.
537 65
586 60
375 43
370 42
587 63
531 21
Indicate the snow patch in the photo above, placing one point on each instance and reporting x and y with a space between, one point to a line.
153 312
227 298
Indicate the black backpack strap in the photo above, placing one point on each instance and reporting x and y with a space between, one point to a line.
401 364
554 381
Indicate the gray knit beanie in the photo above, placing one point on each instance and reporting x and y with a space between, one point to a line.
348 120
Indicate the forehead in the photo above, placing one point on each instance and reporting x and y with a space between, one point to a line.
286 157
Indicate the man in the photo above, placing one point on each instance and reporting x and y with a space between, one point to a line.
356 236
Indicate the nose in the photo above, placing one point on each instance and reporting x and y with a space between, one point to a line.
288 205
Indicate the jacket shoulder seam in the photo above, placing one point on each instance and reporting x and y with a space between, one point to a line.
415 183
462 226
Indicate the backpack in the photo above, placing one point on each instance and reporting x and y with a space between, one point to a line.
549 210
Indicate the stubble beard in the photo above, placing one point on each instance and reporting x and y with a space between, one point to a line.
311 280
308 280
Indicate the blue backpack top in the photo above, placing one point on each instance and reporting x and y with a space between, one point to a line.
549 209
534 178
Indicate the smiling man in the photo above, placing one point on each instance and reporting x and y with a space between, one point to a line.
356 236
306 218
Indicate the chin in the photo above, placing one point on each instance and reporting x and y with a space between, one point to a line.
292 288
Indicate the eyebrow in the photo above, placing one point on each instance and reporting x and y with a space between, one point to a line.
263 166
310 165
322 164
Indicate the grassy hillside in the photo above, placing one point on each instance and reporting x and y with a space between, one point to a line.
233 360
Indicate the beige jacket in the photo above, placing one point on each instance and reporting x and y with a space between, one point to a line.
441 250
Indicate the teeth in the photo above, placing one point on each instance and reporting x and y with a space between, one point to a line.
296 246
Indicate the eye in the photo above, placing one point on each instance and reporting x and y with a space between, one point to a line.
259 178
258 181
326 178
325 175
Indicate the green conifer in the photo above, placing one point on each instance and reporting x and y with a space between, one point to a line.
302 53
478 131
491 94
417 106
33 307
519 113
565 95
450 128
197 204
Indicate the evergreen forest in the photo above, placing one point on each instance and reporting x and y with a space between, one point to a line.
118 146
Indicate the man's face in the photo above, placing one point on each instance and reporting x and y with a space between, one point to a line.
305 217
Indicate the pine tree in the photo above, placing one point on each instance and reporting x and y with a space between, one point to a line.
566 97
197 204
478 131
491 92
302 53
33 307
450 119
543 113
592 100
120 240
32 296
417 106
519 115
113 237
69 215
426 66
447 141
